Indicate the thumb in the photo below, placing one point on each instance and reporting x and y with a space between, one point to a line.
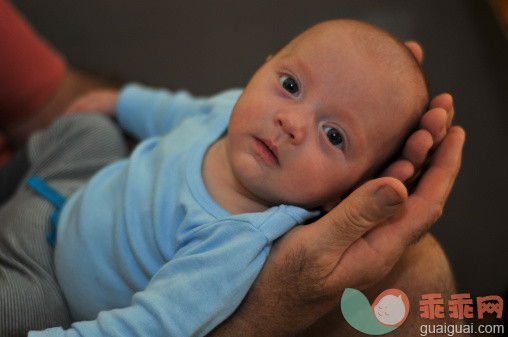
368 206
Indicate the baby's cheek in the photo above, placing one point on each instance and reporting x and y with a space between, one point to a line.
303 191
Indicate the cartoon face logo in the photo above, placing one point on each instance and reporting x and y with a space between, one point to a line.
391 307
390 310
387 313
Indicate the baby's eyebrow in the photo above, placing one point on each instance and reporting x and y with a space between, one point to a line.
303 70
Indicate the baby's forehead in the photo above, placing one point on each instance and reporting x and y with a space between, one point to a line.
339 36
330 32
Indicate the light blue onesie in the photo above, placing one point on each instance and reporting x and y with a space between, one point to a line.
142 249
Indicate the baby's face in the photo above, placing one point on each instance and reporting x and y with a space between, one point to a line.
312 122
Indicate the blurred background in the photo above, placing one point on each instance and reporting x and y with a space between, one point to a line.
208 46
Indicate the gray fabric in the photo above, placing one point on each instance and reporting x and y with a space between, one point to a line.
66 155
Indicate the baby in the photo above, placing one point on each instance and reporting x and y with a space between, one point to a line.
169 240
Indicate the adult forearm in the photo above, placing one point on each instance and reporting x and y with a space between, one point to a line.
284 301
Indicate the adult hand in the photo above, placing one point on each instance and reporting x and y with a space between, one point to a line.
100 101
354 245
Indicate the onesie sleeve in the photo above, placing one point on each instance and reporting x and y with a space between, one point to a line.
191 294
146 112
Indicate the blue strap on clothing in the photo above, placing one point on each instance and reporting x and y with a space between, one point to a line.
53 196
48 192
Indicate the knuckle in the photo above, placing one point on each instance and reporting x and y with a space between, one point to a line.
435 212
354 219
438 211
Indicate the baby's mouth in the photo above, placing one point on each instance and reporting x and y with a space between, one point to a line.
268 151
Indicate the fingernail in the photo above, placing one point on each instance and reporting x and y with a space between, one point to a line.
387 196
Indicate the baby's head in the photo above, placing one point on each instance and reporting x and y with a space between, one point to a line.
325 113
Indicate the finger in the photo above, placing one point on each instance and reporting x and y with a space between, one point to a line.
366 207
425 205
444 101
439 177
70 110
401 169
451 113
416 49
434 121
77 105
417 147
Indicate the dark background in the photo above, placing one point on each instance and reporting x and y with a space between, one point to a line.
208 46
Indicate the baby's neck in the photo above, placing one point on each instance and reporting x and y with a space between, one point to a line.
223 185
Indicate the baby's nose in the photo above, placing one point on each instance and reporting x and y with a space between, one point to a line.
292 124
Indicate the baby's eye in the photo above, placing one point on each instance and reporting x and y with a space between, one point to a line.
334 136
289 85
